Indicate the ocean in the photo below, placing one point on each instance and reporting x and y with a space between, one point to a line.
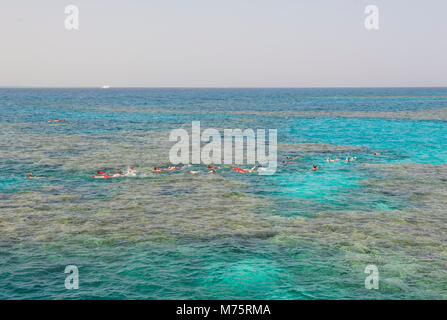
296 234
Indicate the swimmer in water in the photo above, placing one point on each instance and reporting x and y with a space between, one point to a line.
102 177
253 169
314 168
30 176
117 173
193 171
170 168
130 172
212 171
293 158
350 159
376 154
244 170
102 173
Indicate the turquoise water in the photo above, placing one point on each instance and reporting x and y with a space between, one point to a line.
294 235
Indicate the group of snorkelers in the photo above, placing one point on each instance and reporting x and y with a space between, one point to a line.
328 159
211 169
130 172
347 159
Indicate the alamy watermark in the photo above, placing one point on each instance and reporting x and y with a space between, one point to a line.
249 147
72 19
72 280
372 18
372 280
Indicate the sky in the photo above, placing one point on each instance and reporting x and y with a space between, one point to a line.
223 43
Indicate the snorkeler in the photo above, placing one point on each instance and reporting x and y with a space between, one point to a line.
30 176
244 170
56 121
170 168
130 172
239 170
117 174
102 177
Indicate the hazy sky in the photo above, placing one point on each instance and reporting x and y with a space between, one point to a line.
225 43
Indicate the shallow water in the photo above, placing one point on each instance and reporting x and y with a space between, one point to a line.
294 235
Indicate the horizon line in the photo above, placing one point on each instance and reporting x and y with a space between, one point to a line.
221 87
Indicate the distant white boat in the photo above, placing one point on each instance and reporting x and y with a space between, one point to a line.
105 87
